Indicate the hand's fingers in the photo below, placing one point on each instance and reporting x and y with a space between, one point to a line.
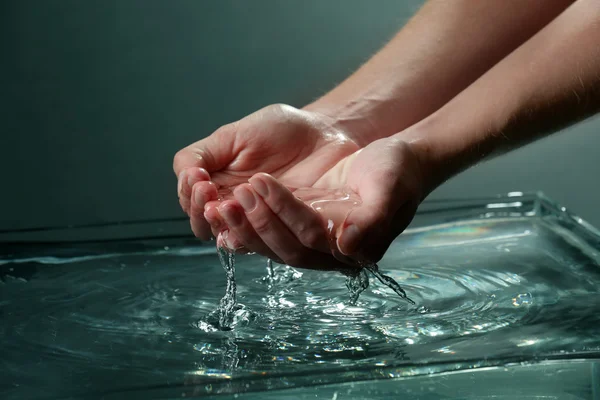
276 235
199 226
186 181
202 193
213 217
229 240
242 231
300 219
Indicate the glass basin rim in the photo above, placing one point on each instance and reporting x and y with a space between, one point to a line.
430 212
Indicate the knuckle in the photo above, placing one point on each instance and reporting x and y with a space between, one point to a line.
261 226
277 204
227 128
282 112
276 107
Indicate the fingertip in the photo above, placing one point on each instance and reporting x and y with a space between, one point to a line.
231 242
198 197
204 174
260 184
181 180
195 175
264 184
349 240
246 196
200 228
261 175
231 213
211 214
241 187
204 192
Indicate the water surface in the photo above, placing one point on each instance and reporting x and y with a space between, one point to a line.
137 321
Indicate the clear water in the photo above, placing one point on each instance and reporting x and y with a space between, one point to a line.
136 321
334 206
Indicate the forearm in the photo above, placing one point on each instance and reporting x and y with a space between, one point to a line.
445 47
551 81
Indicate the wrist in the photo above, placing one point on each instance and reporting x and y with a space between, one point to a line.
442 149
363 120
348 118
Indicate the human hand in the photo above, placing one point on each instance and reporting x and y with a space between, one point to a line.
389 181
297 147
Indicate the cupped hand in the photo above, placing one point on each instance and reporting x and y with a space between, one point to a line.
296 147
388 183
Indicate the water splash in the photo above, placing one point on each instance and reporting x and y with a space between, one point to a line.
387 281
270 273
356 284
359 282
228 304
335 205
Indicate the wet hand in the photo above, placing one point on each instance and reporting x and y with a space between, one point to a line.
297 147
268 218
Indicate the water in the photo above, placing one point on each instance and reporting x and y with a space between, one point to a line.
133 320
387 281
228 304
357 284
334 206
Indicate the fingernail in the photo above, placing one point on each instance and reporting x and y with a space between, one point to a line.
348 242
180 180
246 198
199 198
260 186
231 216
191 181
204 173
229 243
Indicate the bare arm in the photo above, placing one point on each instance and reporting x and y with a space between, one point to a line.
445 47
551 81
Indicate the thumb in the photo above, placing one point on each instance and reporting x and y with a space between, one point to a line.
211 153
369 228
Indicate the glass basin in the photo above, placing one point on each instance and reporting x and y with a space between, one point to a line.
507 306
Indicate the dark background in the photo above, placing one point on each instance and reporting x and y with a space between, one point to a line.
97 96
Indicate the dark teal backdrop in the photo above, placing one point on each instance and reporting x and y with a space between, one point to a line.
97 96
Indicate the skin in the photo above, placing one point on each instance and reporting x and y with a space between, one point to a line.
396 129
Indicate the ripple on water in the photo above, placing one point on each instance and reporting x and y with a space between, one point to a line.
128 320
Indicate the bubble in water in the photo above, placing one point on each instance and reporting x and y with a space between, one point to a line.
523 299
